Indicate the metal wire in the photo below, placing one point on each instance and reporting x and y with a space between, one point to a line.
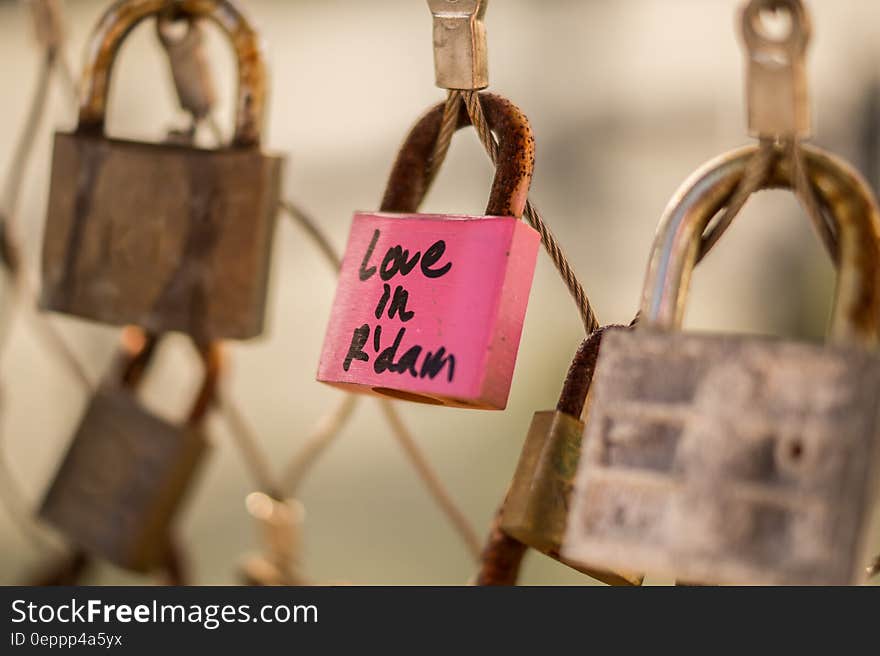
318 442
755 176
806 194
431 480
757 170
256 460
22 288
13 499
533 216
248 443
27 138
68 77
310 227
444 137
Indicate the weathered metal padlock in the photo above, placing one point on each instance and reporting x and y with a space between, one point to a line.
733 459
164 236
127 471
536 509
430 308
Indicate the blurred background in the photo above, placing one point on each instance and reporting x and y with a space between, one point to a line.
626 99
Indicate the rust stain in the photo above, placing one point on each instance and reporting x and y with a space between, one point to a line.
122 17
90 157
408 182
185 291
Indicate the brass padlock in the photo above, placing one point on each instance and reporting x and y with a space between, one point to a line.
733 459
168 237
127 471
536 509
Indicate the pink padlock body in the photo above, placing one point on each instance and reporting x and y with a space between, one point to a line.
464 300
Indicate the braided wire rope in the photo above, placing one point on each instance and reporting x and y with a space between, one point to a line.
548 239
755 176
52 62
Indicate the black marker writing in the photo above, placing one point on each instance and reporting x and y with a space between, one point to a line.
432 364
398 303
397 260
364 273
356 350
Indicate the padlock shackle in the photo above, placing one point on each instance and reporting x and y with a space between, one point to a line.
409 178
137 350
577 383
851 205
136 353
123 16
212 358
579 378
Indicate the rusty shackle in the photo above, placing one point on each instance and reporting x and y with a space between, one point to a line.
579 378
408 182
851 206
123 16
136 353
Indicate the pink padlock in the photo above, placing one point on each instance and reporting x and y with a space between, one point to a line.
430 308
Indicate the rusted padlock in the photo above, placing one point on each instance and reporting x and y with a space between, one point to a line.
733 459
164 236
430 308
536 509
126 471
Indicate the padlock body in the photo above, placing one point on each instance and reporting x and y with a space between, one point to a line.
536 509
121 482
166 237
721 459
430 308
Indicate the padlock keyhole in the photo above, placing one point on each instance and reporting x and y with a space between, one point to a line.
407 396
792 456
